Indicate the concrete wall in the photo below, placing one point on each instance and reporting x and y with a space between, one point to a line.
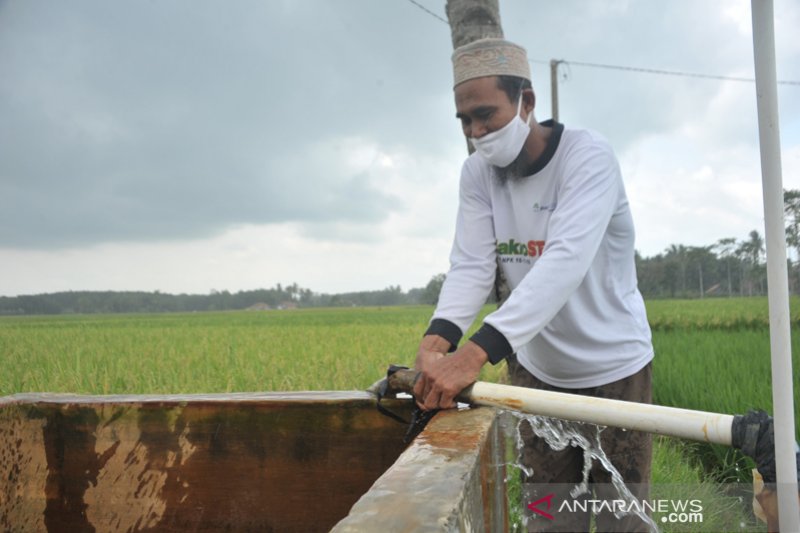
244 462
240 462
451 478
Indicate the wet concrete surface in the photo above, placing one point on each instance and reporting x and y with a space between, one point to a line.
451 478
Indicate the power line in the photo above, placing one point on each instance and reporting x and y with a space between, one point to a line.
429 12
623 67
661 71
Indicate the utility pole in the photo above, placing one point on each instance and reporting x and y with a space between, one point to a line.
554 86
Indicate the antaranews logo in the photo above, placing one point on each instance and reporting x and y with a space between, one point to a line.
548 501
666 510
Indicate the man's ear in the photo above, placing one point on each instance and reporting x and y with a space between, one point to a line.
528 100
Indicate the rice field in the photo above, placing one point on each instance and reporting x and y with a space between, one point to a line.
711 355
206 352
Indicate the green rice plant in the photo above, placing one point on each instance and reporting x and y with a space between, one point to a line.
213 352
674 478
729 314
717 371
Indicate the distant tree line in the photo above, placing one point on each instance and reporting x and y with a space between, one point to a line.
278 297
729 267
726 268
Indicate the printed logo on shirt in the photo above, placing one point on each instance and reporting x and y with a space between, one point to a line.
512 247
537 207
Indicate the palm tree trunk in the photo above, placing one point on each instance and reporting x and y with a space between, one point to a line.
730 290
700 270
471 20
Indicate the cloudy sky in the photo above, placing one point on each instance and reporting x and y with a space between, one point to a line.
186 145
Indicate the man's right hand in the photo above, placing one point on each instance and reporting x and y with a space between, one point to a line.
442 377
432 348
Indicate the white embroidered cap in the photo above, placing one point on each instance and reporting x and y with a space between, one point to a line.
489 57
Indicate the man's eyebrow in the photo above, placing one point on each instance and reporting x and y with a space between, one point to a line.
481 110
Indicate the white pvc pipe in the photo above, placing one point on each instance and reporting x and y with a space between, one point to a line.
777 275
670 421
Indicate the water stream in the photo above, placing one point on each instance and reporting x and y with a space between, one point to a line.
558 434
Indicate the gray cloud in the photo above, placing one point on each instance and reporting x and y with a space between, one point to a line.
684 35
152 120
167 120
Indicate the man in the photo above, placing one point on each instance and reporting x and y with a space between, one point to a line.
549 204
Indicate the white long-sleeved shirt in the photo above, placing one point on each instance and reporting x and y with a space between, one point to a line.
565 239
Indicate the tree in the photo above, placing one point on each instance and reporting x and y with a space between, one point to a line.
755 247
701 258
677 260
471 20
653 275
750 253
791 210
726 249
430 295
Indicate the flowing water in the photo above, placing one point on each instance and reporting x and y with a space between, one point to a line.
558 434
